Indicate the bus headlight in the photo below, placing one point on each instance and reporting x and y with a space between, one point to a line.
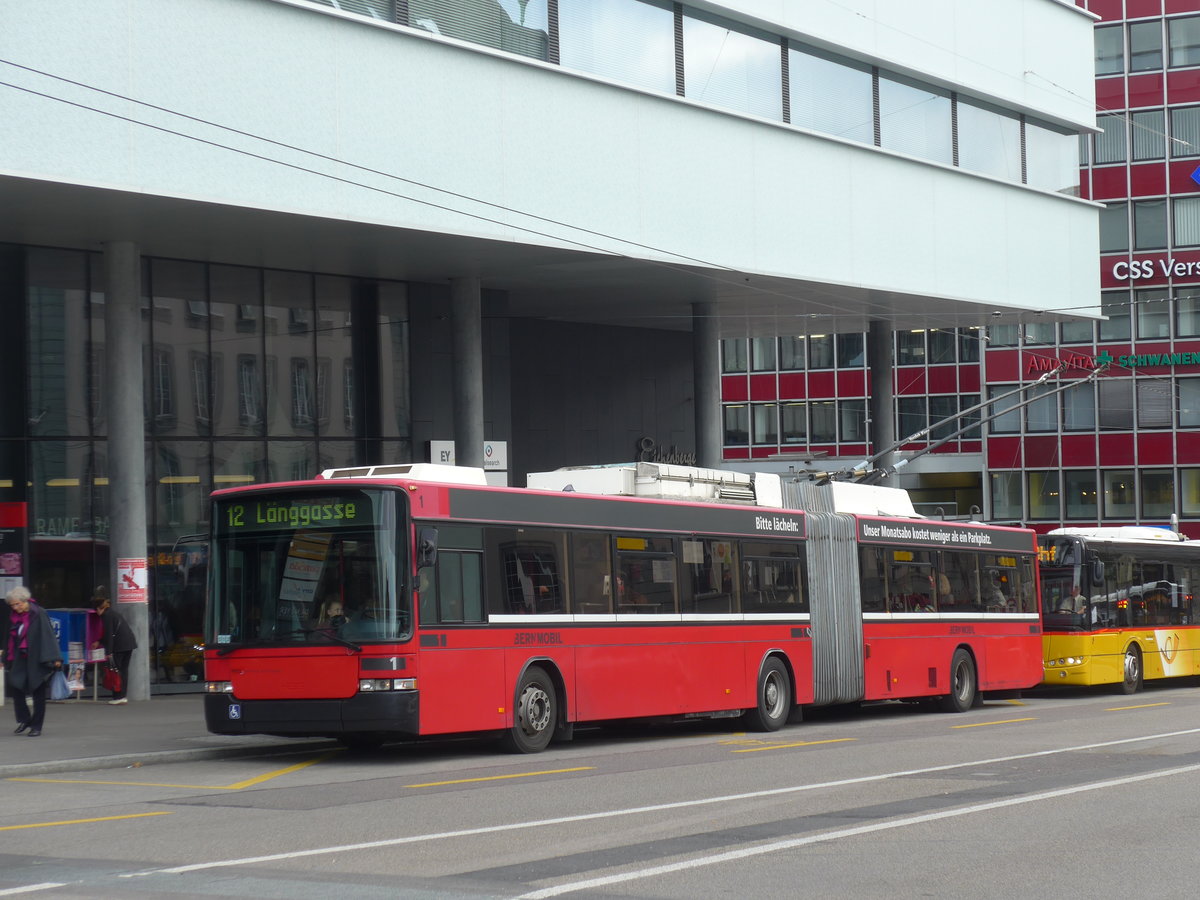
219 687
372 685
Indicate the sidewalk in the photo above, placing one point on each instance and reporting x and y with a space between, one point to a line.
87 734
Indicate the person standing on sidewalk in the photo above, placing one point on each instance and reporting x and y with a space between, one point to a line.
119 640
31 656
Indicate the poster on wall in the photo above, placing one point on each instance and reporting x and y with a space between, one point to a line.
12 543
131 580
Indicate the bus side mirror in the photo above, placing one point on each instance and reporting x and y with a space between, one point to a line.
427 547
1097 571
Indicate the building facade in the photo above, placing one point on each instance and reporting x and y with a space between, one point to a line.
1117 447
363 226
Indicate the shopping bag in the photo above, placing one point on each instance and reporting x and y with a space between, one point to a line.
112 679
58 686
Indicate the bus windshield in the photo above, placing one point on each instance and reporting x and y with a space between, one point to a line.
307 567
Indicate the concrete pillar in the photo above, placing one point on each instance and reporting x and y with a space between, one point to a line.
706 376
467 325
123 384
881 357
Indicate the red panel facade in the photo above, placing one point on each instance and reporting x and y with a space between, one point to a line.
1079 450
735 388
1116 450
1155 448
763 387
1109 183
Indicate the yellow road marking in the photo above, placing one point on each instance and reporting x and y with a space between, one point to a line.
499 777
236 786
1004 722
1015 702
797 744
1139 706
82 821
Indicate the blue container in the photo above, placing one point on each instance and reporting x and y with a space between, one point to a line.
70 627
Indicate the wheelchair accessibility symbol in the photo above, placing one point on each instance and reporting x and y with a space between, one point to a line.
235 710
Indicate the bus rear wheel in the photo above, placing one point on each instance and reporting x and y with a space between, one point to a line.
535 713
1131 681
774 698
964 686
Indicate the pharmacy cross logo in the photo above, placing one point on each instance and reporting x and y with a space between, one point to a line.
1104 358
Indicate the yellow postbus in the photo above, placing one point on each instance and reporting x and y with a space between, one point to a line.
1118 605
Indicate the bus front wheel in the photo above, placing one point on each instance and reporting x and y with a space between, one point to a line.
535 713
1131 681
963 683
774 698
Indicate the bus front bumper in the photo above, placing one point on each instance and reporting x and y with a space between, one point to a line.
384 712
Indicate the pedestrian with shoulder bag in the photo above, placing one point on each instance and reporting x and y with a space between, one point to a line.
31 656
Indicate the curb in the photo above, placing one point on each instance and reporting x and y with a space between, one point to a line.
123 760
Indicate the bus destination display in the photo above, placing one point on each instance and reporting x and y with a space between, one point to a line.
274 514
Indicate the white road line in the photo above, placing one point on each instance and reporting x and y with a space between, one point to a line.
734 855
30 888
639 810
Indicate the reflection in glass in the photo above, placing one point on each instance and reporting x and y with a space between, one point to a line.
765 420
728 67
515 26
1043 495
1051 159
831 95
1118 494
989 141
914 119
57 310
1114 305
733 355
1110 50
1079 407
395 401
288 324
1007 502
629 41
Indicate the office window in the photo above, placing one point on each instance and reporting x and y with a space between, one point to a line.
1052 158
1149 224
831 95
1187 312
1154 403
1119 494
914 119
202 389
1077 332
764 422
508 25
1116 403
733 355
1110 143
1189 493
823 423
737 425
1148 135
910 348
1189 402
1039 334
1007 502
1080 494
965 402
726 66
1079 407
1114 228
793 419
303 395
989 141
1158 494
912 415
163 375
1110 50
969 340
792 353
1005 419
945 410
1042 413
762 354
629 41
851 350
1183 37
348 395
1185 131
1186 212
1043 495
1003 335
820 351
1153 313
1115 305
1145 46
852 421
942 345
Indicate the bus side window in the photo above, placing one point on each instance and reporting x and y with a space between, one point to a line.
591 574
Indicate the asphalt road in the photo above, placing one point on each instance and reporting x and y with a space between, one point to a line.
1077 794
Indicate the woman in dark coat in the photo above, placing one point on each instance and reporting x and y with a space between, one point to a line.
31 656
119 641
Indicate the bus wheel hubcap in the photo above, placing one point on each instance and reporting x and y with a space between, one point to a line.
535 710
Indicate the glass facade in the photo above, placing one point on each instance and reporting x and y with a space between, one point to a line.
249 376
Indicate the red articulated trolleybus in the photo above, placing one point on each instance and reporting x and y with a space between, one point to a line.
397 601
